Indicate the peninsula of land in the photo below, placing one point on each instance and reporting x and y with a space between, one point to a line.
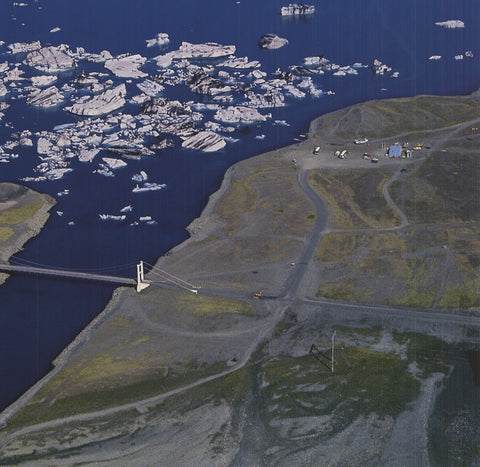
331 292
23 212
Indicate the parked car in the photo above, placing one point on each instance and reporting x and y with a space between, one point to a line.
316 150
374 160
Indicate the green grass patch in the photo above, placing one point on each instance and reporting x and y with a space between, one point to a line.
18 215
5 233
90 401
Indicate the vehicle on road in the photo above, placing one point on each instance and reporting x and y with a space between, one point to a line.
316 150
361 140
374 160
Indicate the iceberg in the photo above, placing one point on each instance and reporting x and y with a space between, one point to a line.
239 114
297 9
49 97
435 57
241 63
108 101
113 163
140 177
44 80
202 83
50 60
379 68
150 88
128 208
207 50
205 141
23 47
451 24
160 39
111 217
271 41
148 187
127 66
87 155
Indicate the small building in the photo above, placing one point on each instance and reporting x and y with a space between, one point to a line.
395 151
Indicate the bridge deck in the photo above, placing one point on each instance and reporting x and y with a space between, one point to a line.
67 274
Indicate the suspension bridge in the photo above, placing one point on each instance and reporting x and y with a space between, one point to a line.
157 276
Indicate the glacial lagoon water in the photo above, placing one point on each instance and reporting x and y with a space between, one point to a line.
39 316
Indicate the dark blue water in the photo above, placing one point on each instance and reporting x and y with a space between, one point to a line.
39 317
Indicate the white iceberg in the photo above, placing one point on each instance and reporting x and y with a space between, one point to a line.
271 41
113 163
50 59
22 47
451 24
111 217
87 155
205 141
160 39
297 9
108 101
127 66
207 50
48 97
149 187
435 57
239 114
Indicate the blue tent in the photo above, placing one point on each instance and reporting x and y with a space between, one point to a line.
395 150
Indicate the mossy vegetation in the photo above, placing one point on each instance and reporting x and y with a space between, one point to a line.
354 198
6 233
20 214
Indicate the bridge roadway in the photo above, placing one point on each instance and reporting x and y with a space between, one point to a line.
67 274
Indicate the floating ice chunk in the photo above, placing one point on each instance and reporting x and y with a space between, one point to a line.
150 88
50 59
207 50
111 217
395 74
64 192
3 88
44 80
43 146
23 47
60 213
297 9
148 187
71 223
281 123
48 97
458 57
469 54
140 177
87 155
435 57
56 174
271 41
145 218
260 137
55 29
164 61
205 141
379 68
239 114
160 39
451 24
114 163
128 208
241 63
202 83
108 101
127 66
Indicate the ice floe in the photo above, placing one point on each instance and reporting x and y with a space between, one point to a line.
239 114
148 187
435 57
297 9
271 41
380 68
127 66
108 101
207 50
451 24
50 59
160 39
205 141
23 47
48 97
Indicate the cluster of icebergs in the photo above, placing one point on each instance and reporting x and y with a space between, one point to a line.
233 91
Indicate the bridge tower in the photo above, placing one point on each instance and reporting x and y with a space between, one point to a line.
141 284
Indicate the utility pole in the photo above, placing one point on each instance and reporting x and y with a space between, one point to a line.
333 350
